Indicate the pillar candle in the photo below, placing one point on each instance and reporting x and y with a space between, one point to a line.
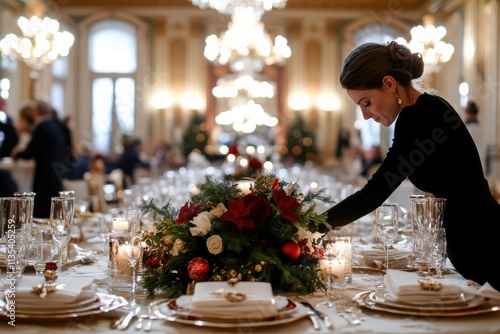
120 224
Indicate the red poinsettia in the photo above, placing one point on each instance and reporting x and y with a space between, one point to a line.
251 211
287 205
188 212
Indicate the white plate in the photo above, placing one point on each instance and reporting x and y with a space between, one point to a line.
363 299
469 301
286 315
283 305
102 303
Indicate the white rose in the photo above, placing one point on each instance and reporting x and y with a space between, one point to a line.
203 223
215 245
218 210
177 247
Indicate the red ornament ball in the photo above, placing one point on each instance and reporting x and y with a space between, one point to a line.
198 269
291 250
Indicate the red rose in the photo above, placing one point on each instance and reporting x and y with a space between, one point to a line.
287 205
198 269
255 164
151 262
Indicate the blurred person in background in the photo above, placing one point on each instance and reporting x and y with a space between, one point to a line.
131 159
48 149
471 111
8 134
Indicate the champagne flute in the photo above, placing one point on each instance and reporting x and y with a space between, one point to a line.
131 246
333 270
387 222
104 230
62 211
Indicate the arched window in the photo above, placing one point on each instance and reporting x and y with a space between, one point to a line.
113 66
370 130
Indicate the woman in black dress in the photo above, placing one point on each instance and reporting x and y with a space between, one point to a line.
431 147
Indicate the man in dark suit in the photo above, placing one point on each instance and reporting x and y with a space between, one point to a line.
8 134
48 147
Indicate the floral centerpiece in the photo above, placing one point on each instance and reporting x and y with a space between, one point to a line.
271 234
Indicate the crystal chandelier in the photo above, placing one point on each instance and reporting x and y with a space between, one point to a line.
428 42
230 86
41 41
246 38
228 6
246 118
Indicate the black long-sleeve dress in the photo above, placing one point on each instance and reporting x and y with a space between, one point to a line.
434 150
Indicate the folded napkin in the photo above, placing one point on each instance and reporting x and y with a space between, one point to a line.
374 255
209 300
76 290
406 287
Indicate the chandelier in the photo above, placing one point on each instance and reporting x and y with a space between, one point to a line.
246 38
246 118
230 86
228 6
41 41
428 42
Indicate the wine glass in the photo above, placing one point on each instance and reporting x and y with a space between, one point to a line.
438 251
387 222
62 211
131 246
333 270
47 255
104 230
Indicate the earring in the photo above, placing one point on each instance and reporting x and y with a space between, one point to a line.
398 99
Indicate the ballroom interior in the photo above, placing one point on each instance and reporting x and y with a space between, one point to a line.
153 69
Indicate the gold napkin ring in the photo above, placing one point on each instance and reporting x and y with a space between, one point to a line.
43 289
427 284
232 296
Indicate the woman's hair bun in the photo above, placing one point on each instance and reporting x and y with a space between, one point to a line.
403 58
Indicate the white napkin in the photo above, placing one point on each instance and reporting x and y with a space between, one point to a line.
377 251
490 292
405 287
76 290
373 255
259 301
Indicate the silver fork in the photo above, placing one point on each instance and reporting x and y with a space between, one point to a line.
349 311
151 317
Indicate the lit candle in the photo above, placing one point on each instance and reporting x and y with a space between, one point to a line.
245 186
334 270
122 264
120 224
337 268
344 251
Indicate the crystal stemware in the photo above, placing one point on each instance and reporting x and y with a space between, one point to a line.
333 270
62 211
438 252
131 246
387 222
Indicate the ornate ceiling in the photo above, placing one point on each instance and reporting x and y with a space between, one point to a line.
292 5
406 5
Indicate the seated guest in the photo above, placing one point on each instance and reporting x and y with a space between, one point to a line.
8 186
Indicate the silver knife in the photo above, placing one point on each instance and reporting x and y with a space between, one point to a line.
312 315
126 321
326 319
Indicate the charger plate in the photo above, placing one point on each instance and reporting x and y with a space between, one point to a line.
450 304
366 299
102 303
167 310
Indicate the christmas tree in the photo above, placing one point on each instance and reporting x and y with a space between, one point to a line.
300 141
195 139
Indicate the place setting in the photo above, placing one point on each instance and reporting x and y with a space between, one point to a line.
40 297
220 304
411 293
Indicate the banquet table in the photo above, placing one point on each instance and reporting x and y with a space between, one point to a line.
363 279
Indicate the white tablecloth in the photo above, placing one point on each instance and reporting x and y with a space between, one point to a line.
376 322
